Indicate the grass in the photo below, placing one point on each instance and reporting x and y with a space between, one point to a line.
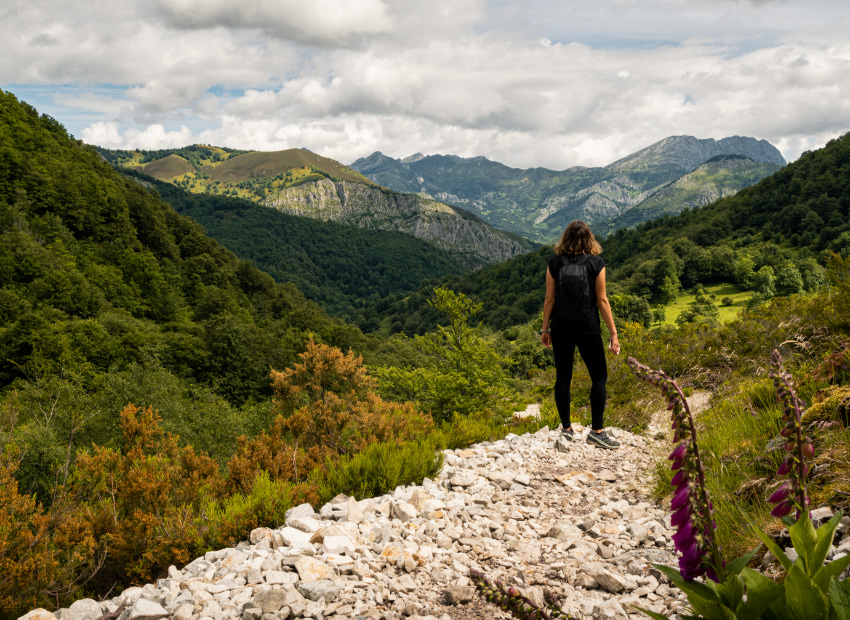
727 313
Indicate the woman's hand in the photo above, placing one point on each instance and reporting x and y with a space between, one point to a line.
614 345
546 339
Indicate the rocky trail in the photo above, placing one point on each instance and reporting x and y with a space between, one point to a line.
534 511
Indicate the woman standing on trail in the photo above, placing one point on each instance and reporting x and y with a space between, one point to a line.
575 295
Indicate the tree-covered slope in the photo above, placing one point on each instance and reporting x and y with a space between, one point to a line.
98 274
804 207
339 267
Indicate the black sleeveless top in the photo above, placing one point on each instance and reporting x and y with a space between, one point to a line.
595 265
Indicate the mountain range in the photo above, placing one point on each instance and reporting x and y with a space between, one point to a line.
669 176
298 182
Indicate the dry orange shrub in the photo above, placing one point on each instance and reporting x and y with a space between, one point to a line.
142 502
45 556
327 408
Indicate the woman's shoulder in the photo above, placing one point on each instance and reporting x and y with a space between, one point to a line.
597 264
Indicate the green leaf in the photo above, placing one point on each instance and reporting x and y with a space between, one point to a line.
805 539
774 549
735 566
761 592
804 597
715 611
828 571
839 598
651 614
731 591
691 588
824 533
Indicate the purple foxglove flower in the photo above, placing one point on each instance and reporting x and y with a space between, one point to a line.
785 467
679 452
685 536
681 516
680 477
808 448
692 552
780 494
782 509
789 447
677 464
681 497
786 432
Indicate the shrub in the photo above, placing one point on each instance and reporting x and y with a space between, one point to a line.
45 556
140 501
380 468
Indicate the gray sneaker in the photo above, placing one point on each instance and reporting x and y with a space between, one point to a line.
567 434
602 440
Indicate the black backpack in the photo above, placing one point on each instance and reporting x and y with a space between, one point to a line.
575 295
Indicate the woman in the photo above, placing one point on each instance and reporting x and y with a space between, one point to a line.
571 319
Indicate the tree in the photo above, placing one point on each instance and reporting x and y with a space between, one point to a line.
463 374
666 277
743 272
764 282
631 309
788 279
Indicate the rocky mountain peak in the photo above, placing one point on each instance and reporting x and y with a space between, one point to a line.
687 152
375 161
412 158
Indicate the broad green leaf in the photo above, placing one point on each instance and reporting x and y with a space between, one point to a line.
825 534
731 591
651 614
761 593
805 539
691 588
805 600
715 611
775 550
839 598
734 567
828 571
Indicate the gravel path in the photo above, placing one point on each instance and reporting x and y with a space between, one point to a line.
536 512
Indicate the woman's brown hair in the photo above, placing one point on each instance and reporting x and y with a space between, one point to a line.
577 239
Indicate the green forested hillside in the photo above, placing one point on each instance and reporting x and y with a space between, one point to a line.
340 267
772 238
100 281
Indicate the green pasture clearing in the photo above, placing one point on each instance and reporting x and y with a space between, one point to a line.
727 313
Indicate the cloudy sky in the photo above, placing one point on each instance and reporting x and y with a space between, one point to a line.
529 83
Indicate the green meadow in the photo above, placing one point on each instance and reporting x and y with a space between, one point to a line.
719 292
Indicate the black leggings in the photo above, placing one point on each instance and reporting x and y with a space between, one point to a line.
592 351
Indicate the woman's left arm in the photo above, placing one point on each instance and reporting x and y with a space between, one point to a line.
607 315
548 304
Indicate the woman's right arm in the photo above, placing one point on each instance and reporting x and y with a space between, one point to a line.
548 304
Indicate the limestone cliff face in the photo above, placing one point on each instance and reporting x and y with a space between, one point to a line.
606 199
470 239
